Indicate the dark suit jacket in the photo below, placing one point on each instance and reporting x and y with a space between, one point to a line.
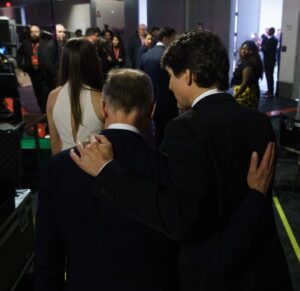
134 44
208 150
101 248
166 104
270 49
24 56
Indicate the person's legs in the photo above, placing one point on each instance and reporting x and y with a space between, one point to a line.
37 87
269 71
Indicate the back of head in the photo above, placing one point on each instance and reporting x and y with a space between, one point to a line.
91 31
271 31
204 54
128 90
80 64
165 32
254 56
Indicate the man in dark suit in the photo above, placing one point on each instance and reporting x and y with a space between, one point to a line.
269 48
166 105
134 43
78 233
208 150
32 58
54 48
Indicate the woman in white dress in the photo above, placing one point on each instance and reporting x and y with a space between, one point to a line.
73 109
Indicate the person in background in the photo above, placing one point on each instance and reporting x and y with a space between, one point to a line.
269 50
73 109
78 33
107 34
134 43
263 38
33 57
148 43
199 26
248 71
166 104
91 34
154 33
117 54
54 47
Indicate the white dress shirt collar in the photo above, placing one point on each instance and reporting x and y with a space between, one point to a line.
160 43
123 126
205 94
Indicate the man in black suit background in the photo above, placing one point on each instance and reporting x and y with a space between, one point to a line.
269 48
78 233
208 148
32 58
54 48
134 43
166 105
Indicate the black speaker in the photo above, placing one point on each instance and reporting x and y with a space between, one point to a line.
4 31
10 151
16 245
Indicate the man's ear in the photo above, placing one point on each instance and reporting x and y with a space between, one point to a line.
104 109
188 77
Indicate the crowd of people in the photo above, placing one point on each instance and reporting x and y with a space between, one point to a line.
164 199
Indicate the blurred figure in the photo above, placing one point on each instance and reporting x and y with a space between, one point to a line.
117 54
33 58
199 26
264 37
148 43
135 42
107 34
55 47
73 109
154 33
60 32
78 33
255 37
247 73
269 50
91 34
166 104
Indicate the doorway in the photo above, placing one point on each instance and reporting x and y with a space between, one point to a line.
250 22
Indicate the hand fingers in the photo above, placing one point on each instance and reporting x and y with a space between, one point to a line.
74 156
102 139
267 157
272 160
80 148
93 139
253 162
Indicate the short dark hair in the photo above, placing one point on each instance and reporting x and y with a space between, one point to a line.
254 58
204 54
128 89
165 32
154 28
91 31
78 32
271 31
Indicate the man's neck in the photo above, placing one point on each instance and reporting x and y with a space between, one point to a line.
120 117
199 91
